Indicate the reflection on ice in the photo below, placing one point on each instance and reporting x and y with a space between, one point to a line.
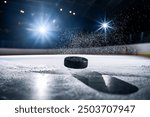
41 86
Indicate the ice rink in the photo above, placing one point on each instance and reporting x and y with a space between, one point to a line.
45 77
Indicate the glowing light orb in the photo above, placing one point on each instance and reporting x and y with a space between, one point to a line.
61 9
22 11
5 2
42 29
105 26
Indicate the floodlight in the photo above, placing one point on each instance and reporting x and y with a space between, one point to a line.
105 26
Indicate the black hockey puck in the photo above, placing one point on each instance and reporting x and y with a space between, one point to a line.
76 62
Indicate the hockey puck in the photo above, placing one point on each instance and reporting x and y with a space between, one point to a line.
76 62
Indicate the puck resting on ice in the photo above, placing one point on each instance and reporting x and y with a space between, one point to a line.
76 62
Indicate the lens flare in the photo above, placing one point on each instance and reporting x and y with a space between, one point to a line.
104 26
42 29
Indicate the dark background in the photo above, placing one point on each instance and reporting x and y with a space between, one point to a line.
130 20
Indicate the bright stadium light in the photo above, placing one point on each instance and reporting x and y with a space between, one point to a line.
70 12
42 29
22 11
105 26
5 2
61 9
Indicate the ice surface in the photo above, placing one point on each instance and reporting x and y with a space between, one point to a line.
46 77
